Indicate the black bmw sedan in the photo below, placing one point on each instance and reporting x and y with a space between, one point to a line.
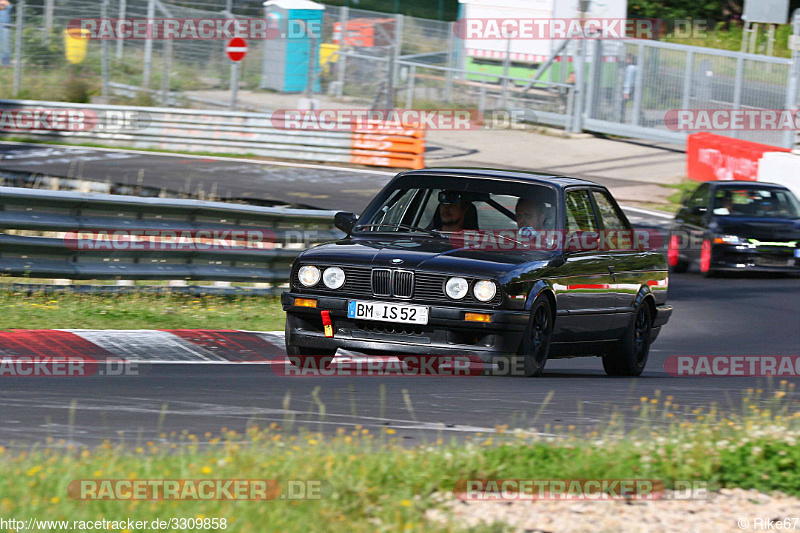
737 225
494 264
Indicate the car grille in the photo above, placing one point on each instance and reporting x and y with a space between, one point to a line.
423 287
381 282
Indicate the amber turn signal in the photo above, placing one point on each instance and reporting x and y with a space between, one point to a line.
478 317
305 302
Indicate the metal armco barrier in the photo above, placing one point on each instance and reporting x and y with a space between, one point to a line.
229 132
281 235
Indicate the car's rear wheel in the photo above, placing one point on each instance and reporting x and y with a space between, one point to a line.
535 346
630 355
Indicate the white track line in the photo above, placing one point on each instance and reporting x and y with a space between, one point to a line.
650 212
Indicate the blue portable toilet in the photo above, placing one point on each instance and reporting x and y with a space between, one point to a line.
286 58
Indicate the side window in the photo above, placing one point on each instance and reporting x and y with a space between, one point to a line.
609 212
580 216
699 198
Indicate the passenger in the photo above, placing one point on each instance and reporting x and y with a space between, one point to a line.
531 216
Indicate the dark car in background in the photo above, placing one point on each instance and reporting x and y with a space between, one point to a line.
404 282
736 226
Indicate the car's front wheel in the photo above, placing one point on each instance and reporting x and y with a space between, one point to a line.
630 356
535 346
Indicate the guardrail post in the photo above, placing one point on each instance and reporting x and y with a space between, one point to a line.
122 9
148 45
595 79
20 7
234 83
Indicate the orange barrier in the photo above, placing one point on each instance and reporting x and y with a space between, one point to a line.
388 145
712 157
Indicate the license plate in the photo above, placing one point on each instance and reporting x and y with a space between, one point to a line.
386 312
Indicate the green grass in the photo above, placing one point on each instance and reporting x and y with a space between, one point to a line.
139 311
374 483
686 186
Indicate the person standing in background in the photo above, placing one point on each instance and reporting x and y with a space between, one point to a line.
5 33
629 83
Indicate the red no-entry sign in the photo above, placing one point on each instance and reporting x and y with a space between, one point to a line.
236 49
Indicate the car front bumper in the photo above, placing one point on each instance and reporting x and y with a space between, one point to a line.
738 258
447 333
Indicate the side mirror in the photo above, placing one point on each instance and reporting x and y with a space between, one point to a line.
345 221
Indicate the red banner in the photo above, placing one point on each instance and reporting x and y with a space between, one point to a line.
715 157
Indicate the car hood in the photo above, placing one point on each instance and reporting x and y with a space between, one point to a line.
435 255
761 229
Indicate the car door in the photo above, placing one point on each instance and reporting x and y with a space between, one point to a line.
586 278
691 222
625 260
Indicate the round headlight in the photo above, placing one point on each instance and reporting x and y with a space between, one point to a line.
308 275
456 288
484 290
333 277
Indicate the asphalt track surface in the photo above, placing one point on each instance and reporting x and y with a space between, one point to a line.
729 316
316 186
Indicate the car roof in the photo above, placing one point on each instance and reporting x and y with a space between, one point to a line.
745 183
515 175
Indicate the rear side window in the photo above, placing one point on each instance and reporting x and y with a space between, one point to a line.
699 198
610 214
580 216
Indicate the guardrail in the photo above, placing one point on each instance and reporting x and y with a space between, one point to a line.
103 236
229 132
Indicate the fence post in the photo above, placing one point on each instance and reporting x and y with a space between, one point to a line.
341 60
506 69
122 9
312 67
48 20
394 51
166 72
148 45
638 82
595 79
579 88
789 138
104 58
687 80
737 88
234 83
18 47
448 87
412 73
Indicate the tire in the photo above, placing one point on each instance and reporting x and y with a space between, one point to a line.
681 266
630 355
311 358
535 347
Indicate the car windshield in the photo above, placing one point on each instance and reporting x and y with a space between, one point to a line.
755 202
460 205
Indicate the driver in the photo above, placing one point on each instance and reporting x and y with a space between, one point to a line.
452 209
531 216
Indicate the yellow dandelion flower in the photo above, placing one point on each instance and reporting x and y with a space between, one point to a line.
406 503
206 470
33 471
55 499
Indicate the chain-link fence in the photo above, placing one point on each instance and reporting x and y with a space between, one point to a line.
368 59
